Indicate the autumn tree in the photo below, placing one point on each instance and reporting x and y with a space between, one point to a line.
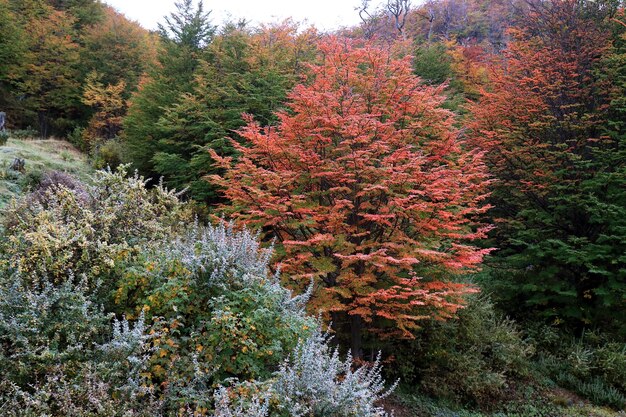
11 43
49 47
12 50
465 21
119 49
85 12
558 203
50 82
369 190
108 105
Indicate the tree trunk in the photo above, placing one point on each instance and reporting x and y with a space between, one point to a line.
356 330
43 124
430 28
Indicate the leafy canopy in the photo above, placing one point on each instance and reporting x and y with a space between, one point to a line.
367 187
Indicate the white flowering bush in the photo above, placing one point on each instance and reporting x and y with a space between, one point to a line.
226 260
219 311
45 325
312 381
59 354
315 381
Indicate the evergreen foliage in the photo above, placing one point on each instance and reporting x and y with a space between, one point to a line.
555 149
182 41
241 73
475 359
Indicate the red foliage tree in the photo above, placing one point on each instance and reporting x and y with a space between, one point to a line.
368 189
547 141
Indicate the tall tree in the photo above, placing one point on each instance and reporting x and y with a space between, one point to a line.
12 50
119 49
189 26
368 189
50 81
559 202
248 71
48 47
85 12
183 38
109 107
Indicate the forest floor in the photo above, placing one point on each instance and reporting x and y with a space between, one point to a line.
40 156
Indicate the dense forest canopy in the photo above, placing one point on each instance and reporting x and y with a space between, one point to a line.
228 219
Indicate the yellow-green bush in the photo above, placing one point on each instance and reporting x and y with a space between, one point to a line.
66 226
107 153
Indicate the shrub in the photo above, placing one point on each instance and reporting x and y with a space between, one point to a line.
28 133
83 395
433 64
593 366
61 244
43 324
51 180
53 357
312 381
220 313
4 137
611 360
256 406
65 226
473 359
75 137
107 153
531 403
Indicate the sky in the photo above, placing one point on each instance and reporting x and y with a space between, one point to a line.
324 14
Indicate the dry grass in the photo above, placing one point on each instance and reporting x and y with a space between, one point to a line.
40 157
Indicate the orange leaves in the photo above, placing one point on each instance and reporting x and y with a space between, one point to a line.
109 106
51 76
364 183
544 103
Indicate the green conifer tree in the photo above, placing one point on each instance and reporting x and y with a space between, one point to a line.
183 39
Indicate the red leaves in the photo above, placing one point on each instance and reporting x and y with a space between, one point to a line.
365 172
534 124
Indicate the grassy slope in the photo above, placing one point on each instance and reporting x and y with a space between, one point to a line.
40 156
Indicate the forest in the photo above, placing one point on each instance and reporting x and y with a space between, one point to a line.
420 215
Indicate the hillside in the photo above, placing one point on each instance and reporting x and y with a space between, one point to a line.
40 156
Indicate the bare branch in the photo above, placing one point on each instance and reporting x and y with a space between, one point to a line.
399 9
